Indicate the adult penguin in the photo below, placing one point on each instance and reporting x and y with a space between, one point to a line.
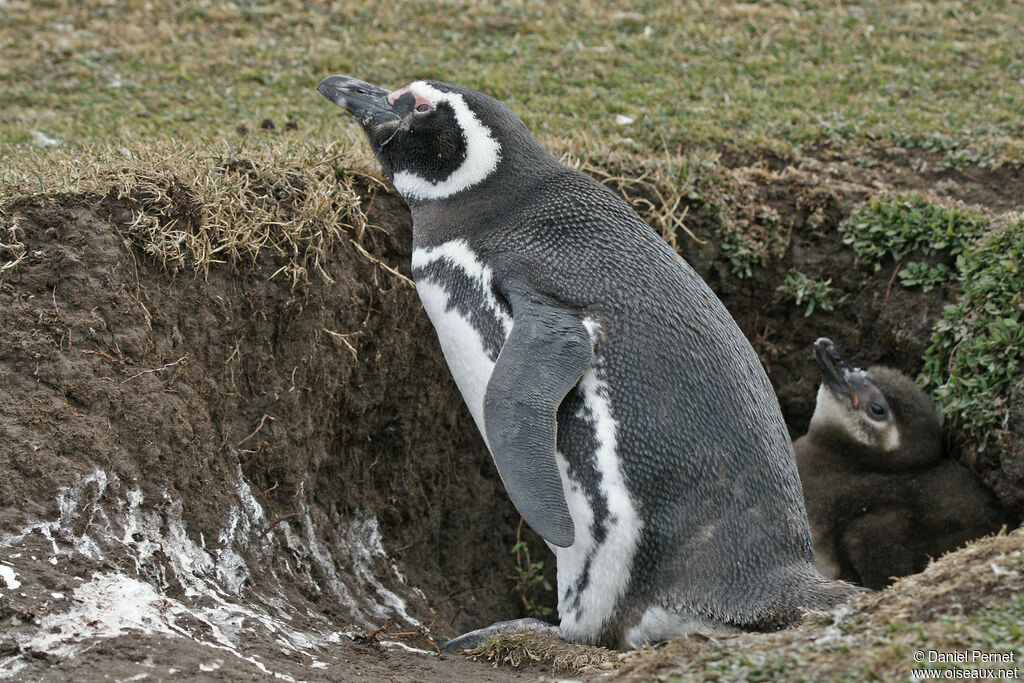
630 420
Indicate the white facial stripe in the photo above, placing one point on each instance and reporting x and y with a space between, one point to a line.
830 410
459 254
611 562
891 437
483 152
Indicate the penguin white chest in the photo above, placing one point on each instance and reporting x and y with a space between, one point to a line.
472 324
456 289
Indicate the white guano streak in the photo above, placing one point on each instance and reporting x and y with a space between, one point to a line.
209 588
9 577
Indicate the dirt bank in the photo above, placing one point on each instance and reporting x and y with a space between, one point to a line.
234 472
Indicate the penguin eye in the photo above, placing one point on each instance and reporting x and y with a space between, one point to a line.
423 108
876 409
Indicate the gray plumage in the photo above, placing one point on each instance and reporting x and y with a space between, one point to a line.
608 362
882 497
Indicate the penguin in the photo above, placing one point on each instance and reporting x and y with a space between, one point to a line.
882 497
629 419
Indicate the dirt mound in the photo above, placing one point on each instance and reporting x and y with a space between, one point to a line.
264 467
967 601
229 451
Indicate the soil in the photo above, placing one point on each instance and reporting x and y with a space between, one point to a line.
225 476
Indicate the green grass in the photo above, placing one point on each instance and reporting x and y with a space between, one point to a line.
943 74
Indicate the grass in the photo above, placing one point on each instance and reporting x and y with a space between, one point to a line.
524 649
944 75
191 207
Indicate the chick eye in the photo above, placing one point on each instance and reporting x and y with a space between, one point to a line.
876 409
423 108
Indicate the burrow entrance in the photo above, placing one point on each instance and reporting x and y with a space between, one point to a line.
274 458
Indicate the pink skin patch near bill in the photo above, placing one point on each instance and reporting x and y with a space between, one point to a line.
418 100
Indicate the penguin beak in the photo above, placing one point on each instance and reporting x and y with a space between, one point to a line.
368 103
835 373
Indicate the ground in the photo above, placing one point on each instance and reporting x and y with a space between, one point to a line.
229 473
229 446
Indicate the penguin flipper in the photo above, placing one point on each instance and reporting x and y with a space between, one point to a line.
542 360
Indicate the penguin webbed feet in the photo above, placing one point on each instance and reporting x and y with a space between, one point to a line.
468 641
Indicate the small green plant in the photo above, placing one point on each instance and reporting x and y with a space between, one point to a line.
804 290
1003 627
895 226
977 346
927 277
743 254
529 578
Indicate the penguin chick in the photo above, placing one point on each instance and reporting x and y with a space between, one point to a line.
629 419
882 498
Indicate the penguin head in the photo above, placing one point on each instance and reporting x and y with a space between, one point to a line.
435 140
879 417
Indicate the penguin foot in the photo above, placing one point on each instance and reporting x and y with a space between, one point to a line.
468 641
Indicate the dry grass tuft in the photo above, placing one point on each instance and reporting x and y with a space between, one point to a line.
519 649
12 249
190 208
